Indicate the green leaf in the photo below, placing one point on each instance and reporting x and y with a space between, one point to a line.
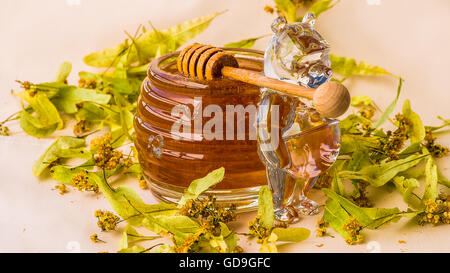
67 100
107 57
360 100
34 127
349 67
201 185
151 44
371 218
435 128
229 237
352 143
431 180
288 9
379 174
63 147
130 236
47 118
321 6
133 249
129 205
265 207
291 234
351 124
268 244
336 217
390 108
247 43
442 179
416 130
63 72
406 187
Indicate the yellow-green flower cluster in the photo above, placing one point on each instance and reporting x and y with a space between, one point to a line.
436 150
322 226
393 143
87 83
207 210
106 158
188 245
353 228
367 111
4 131
142 183
107 221
258 230
62 189
436 212
81 182
95 239
80 128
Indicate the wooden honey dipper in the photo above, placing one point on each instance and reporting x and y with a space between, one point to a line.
205 62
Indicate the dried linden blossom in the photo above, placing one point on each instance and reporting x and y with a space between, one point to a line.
436 212
106 157
107 221
353 228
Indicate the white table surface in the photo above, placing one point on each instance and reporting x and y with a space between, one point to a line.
410 38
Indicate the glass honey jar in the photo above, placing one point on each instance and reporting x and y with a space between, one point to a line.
171 159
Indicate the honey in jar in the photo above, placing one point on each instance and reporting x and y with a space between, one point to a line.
171 160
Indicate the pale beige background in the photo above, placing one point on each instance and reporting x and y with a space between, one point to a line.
408 37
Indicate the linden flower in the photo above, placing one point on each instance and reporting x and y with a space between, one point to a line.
106 158
107 221
207 210
62 189
258 230
436 212
353 228
95 239
322 226
142 183
81 182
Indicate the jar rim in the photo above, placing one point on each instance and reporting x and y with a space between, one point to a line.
156 72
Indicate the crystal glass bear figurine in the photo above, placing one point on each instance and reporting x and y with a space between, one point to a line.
295 142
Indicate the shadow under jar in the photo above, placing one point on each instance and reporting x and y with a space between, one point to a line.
172 159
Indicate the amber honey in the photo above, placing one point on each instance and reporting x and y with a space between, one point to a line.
170 163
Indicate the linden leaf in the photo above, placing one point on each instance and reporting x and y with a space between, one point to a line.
288 9
406 186
63 147
360 100
390 108
127 203
268 244
133 249
379 174
336 217
68 98
107 57
371 218
246 43
321 6
431 180
291 234
201 185
130 235
229 236
416 130
349 67
265 207
48 117
63 72
34 127
151 44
